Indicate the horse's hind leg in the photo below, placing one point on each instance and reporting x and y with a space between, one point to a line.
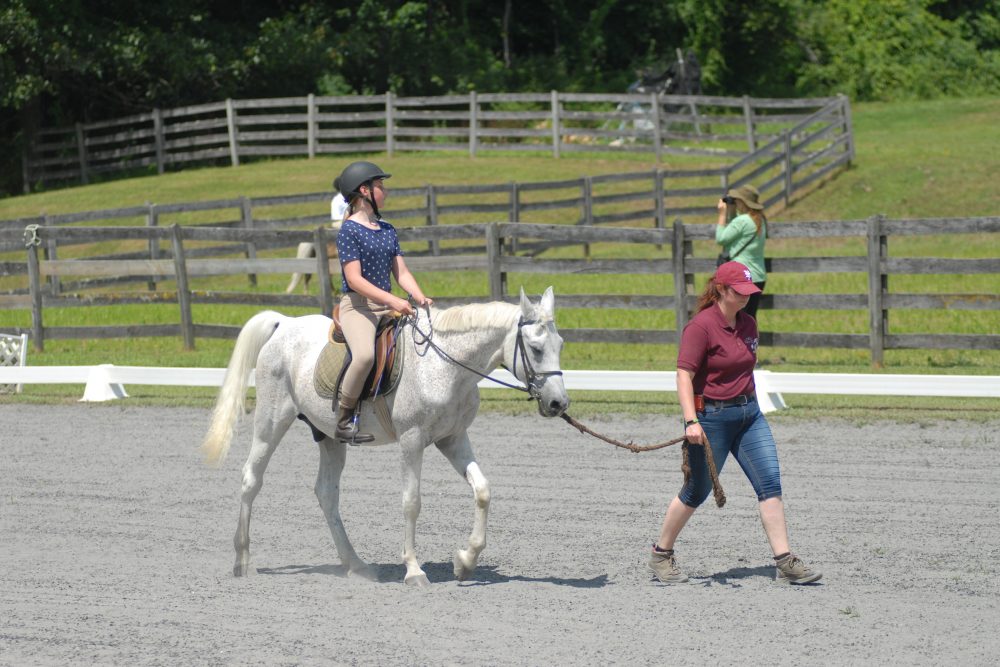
458 450
332 456
267 434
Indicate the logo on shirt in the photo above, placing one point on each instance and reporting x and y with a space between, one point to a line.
751 344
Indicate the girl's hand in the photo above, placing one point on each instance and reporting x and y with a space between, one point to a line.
721 206
695 434
401 305
422 300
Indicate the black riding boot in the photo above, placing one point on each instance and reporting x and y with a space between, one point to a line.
347 428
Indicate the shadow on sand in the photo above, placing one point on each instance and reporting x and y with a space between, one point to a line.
734 577
391 573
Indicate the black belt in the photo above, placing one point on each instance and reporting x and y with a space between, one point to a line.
742 399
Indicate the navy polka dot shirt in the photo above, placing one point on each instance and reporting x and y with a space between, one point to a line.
376 249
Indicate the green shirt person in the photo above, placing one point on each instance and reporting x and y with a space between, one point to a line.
743 237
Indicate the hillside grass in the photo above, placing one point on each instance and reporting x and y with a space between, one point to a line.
914 160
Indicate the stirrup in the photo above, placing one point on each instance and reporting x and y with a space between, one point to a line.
355 438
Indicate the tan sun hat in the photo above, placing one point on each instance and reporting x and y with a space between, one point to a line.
748 195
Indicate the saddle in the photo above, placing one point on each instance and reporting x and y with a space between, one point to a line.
335 358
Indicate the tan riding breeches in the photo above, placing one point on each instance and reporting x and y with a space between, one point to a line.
359 317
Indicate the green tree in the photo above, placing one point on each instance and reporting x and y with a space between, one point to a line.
890 49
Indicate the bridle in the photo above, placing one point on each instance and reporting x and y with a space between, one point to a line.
534 379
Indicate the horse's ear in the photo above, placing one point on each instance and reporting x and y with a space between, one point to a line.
527 310
548 303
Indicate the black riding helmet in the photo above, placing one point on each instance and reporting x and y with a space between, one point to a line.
354 176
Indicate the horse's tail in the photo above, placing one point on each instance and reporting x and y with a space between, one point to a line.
232 397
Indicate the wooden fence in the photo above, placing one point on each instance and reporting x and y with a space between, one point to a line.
234 130
489 248
783 168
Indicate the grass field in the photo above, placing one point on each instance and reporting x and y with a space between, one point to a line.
914 160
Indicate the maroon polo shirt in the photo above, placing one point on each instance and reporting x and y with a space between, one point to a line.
722 358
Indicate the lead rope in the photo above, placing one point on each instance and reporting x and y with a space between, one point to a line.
720 495
713 473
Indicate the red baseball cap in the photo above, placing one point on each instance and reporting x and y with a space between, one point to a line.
736 276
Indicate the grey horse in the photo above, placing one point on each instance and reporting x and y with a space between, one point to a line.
434 403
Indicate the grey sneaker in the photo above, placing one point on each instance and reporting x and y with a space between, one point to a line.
664 566
791 570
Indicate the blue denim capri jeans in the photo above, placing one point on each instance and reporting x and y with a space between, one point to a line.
740 430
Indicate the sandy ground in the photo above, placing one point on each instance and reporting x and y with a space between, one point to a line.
116 548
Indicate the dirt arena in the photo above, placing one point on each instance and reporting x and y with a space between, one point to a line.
116 548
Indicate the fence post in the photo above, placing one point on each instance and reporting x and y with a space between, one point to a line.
654 100
683 282
152 221
158 139
494 254
845 110
183 292
81 150
311 129
473 123
878 285
390 122
51 253
556 133
788 167
234 150
748 120
434 245
32 242
515 212
587 214
694 116
660 199
323 271
246 213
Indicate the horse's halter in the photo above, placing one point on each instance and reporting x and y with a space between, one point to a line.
533 379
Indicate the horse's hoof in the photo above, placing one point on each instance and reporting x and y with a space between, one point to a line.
243 570
464 565
417 580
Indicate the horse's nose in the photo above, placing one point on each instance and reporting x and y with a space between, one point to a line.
557 406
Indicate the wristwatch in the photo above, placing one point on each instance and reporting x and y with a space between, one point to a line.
690 421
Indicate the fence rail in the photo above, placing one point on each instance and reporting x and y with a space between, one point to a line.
497 256
782 169
307 126
105 382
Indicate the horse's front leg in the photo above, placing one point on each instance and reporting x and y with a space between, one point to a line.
458 450
412 463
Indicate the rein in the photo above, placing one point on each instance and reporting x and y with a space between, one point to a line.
534 378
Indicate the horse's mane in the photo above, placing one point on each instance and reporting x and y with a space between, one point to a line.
475 316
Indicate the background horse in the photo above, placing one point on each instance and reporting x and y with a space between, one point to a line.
434 403
304 251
